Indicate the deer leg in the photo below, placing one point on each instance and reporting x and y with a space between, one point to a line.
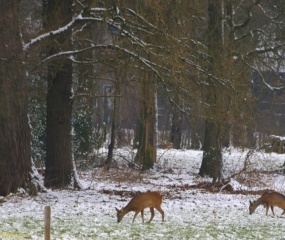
152 214
161 211
272 209
267 207
135 216
142 213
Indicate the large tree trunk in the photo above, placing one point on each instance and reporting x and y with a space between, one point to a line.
146 154
212 151
59 128
15 149
59 167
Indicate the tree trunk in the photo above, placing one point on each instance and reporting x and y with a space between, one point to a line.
59 138
212 152
146 154
59 167
176 129
15 149
113 126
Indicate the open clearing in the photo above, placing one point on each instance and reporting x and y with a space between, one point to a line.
193 209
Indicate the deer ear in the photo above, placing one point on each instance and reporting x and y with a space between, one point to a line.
250 202
117 209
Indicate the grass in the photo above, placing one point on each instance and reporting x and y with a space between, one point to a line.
85 228
199 216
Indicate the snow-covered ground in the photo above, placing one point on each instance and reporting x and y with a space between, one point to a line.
191 212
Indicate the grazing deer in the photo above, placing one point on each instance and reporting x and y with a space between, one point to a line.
268 199
139 202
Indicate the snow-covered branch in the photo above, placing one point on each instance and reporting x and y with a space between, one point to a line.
60 30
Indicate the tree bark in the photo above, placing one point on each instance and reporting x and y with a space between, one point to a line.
176 129
114 126
212 151
146 154
15 149
212 154
59 167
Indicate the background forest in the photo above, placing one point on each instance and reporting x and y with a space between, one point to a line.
79 75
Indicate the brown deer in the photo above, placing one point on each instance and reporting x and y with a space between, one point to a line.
268 199
139 202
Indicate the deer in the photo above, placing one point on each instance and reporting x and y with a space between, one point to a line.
139 202
268 199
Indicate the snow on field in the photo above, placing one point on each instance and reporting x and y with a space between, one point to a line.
190 212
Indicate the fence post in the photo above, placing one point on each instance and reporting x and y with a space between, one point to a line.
47 222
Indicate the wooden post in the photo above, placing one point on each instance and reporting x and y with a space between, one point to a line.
47 222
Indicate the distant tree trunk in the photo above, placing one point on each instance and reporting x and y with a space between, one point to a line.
176 129
59 167
212 151
15 149
146 154
113 127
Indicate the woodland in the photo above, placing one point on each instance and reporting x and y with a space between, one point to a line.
172 71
